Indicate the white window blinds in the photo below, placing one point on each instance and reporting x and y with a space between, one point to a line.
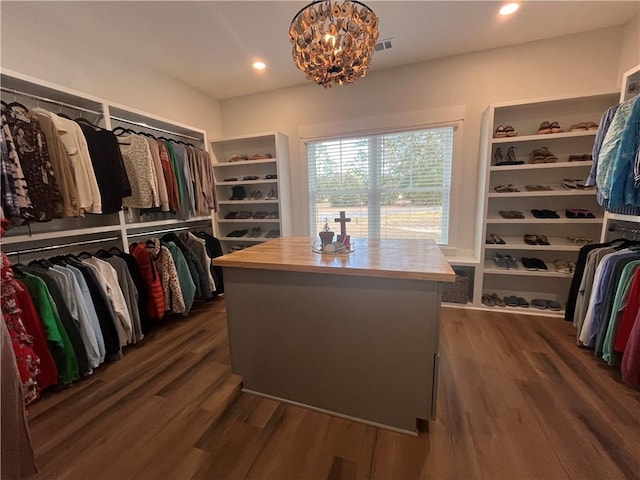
392 185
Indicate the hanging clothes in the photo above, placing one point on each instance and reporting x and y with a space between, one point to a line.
187 284
173 299
19 208
32 150
169 177
163 196
151 279
26 358
197 245
108 166
140 172
631 359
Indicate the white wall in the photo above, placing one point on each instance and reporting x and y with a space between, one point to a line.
630 50
571 66
50 50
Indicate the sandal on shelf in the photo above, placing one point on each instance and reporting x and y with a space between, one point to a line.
488 300
499 133
591 125
580 240
510 214
544 128
545 214
579 213
561 266
555 127
505 188
537 156
510 131
578 127
542 240
537 188
497 300
497 239
531 239
488 241
548 156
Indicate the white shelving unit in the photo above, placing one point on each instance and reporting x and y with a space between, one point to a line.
267 217
630 88
525 117
114 228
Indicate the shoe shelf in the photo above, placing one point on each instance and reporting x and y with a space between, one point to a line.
490 268
517 243
494 217
274 144
541 166
545 137
556 191
557 149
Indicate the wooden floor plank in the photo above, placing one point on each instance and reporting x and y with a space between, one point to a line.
517 399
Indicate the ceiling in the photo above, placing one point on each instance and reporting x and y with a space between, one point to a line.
210 45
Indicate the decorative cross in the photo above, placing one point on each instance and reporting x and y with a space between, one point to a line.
343 220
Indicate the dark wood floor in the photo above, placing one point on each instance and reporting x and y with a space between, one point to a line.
517 400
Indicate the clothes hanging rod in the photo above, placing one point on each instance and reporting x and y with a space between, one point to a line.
49 100
64 245
144 125
154 232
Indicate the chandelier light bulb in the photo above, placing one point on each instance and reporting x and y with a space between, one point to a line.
259 65
333 41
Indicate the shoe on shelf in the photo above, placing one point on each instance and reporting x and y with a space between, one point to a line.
522 302
510 214
540 265
231 215
542 240
497 156
530 239
511 301
511 262
496 239
500 262
488 300
578 127
561 266
499 133
499 301
555 127
548 156
544 128
505 188
591 125
510 131
579 213
545 214
528 263
539 303
553 305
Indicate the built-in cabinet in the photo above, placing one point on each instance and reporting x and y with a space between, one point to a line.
119 228
252 189
535 182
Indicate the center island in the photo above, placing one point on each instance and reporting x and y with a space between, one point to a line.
354 335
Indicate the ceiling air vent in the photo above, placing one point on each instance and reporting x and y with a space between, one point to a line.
383 45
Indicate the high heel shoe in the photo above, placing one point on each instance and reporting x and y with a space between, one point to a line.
497 156
511 157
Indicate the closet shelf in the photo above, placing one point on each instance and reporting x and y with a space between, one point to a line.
246 202
557 191
495 218
246 239
170 222
540 166
9 240
245 162
489 267
517 243
249 220
247 182
544 137
524 311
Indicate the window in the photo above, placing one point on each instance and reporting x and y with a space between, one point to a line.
391 185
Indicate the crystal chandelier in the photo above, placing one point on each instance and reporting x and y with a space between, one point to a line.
334 40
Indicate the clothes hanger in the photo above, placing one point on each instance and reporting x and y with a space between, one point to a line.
64 115
87 122
117 250
84 254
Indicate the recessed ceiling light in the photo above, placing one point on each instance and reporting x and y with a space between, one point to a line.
259 65
509 8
